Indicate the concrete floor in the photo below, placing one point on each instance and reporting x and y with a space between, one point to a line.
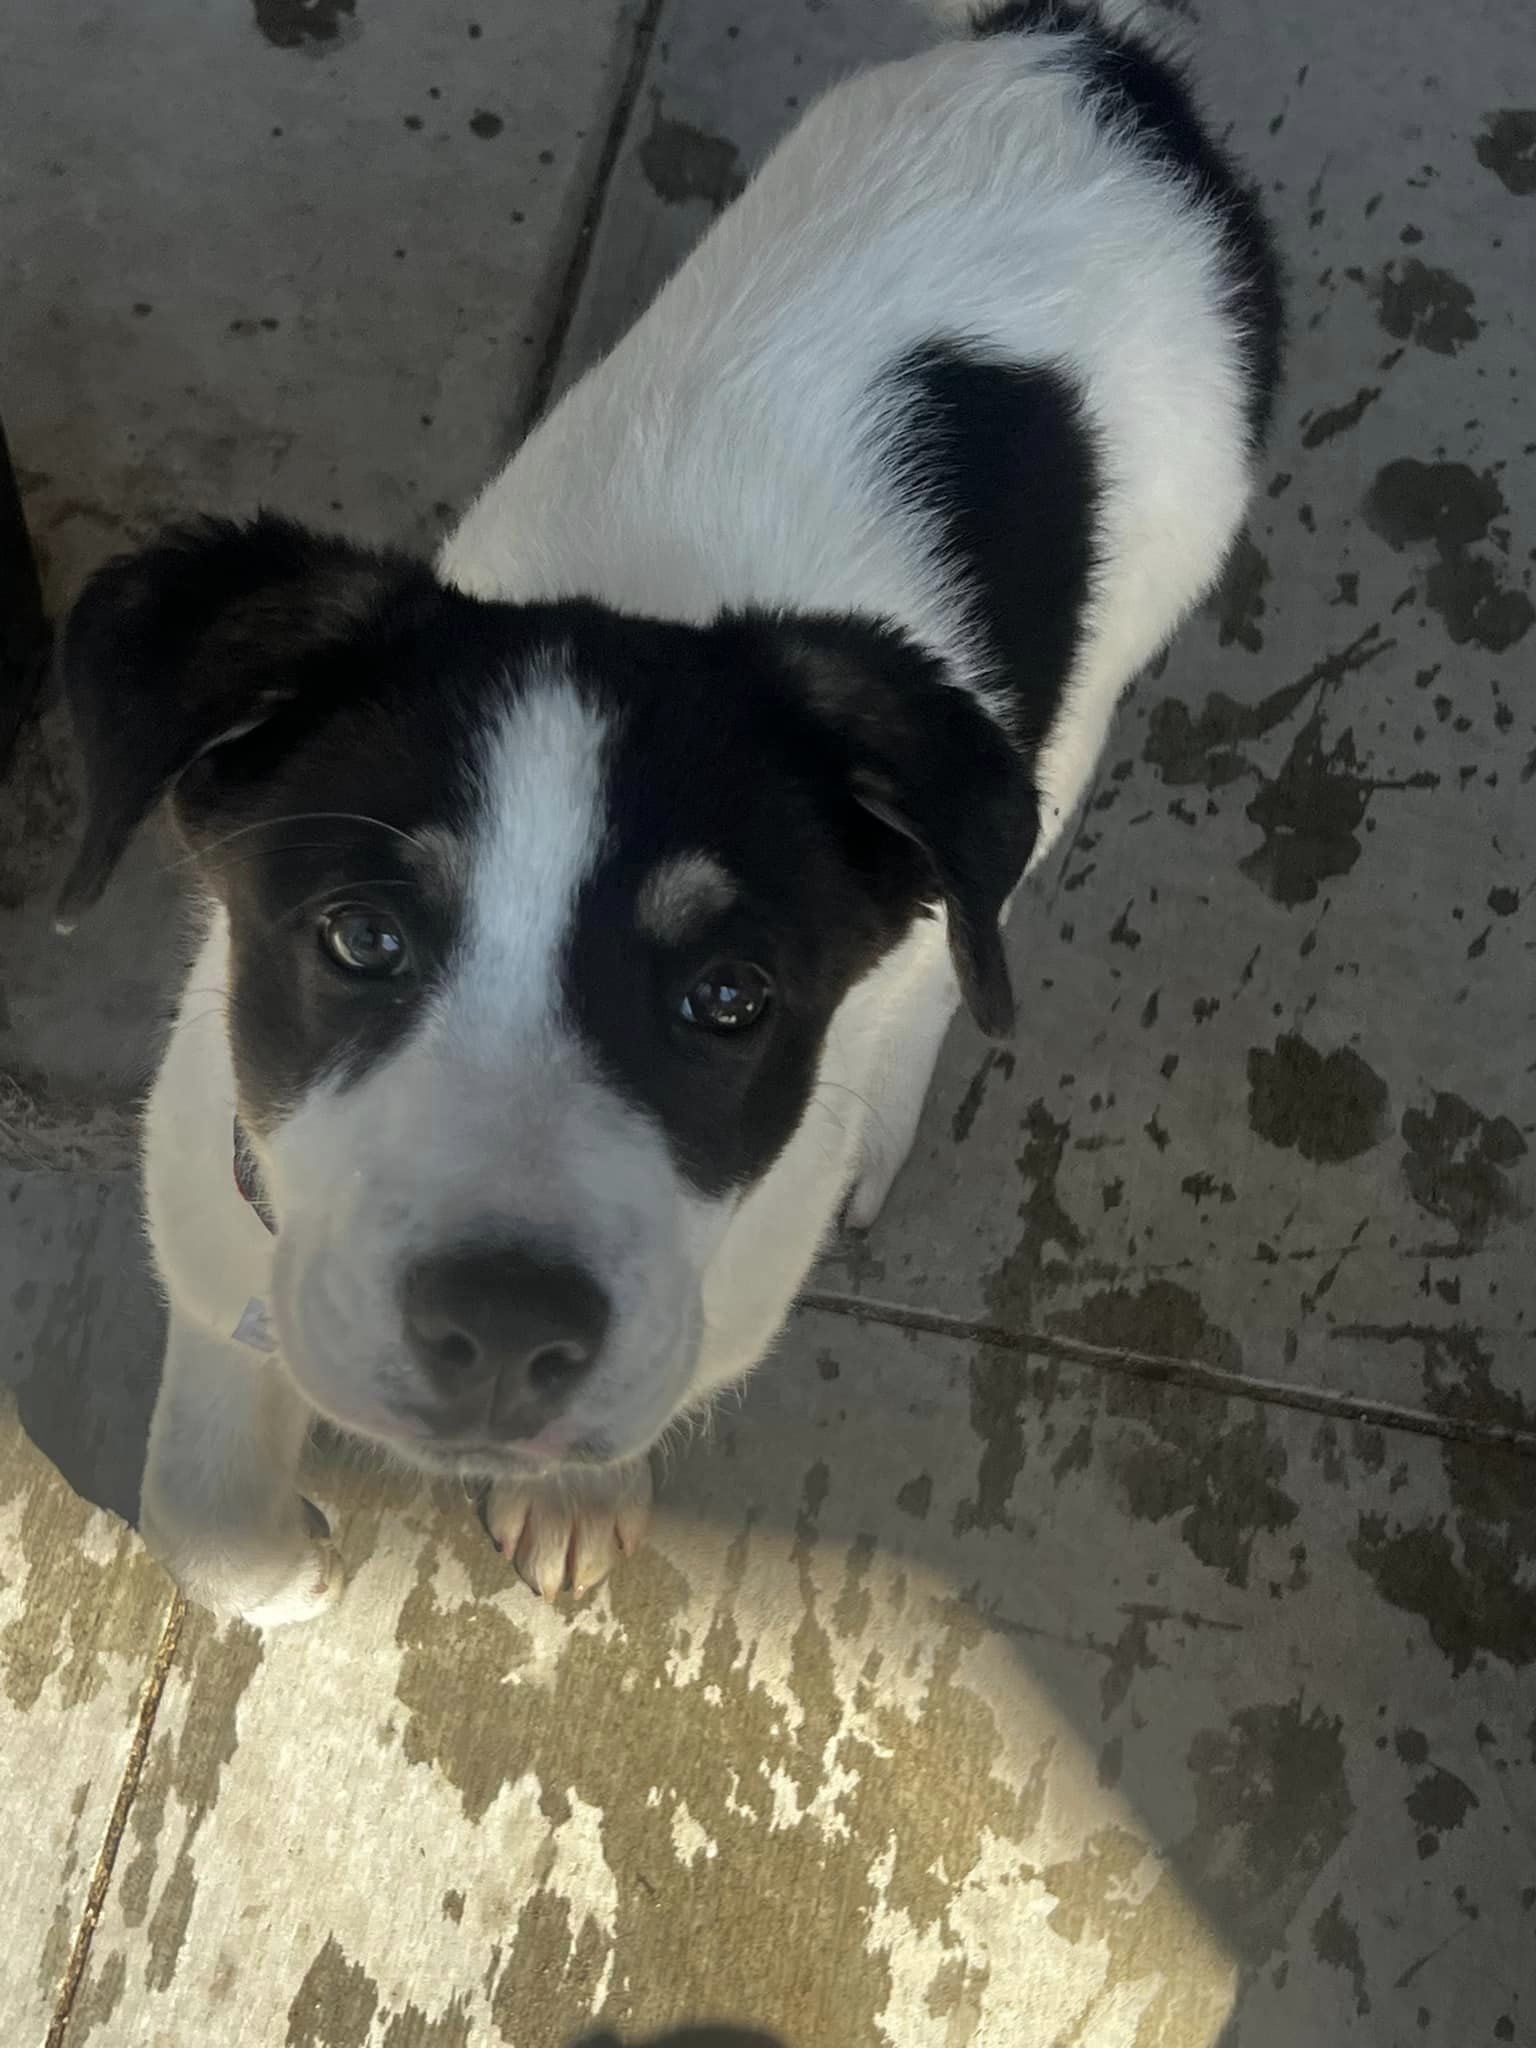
1112 1618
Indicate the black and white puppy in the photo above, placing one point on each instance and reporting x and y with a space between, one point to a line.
586 910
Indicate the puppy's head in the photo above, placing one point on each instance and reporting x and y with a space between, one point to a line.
538 919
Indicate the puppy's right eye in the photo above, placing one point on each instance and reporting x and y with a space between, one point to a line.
363 942
732 996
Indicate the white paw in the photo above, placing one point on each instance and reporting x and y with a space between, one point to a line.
314 1585
569 1531
265 1577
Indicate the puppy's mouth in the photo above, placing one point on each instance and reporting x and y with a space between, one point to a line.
475 1459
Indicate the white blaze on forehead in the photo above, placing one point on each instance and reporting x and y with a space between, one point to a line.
680 894
539 839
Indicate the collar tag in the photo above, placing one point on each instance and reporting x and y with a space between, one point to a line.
254 1330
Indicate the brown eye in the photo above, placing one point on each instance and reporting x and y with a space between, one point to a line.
732 996
363 942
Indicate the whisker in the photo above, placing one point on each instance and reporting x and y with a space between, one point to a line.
411 839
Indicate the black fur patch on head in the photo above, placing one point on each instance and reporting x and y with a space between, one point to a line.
212 631
270 681
1147 93
1002 456
829 769
322 719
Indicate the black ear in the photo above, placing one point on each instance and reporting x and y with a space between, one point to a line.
929 762
188 644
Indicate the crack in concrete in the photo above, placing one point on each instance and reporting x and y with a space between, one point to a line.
1184 1372
106 1859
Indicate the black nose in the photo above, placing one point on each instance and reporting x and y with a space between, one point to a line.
504 1335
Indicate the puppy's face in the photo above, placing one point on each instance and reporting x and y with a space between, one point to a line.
538 918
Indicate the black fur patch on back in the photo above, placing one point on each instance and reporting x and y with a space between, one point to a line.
1002 456
1147 94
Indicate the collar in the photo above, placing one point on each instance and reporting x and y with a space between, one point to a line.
248 1181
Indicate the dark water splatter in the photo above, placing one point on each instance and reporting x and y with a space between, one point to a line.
1203 750
1445 503
1328 1106
1467 1577
1338 419
1159 1319
970 1103
681 163
1224 1485
1475 604
291 24
1426 306
1310 813
1456 1166
1507 147
1272 1806
1336 1942
1441 1801
999 1378
1239 599
1451 507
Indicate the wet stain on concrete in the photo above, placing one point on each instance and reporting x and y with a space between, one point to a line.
1104 1901
1186 751
1466 1575
100 1997
681 163
1225 1487
334 2004
1450 507
300 24
1273 1805
998 1377
1476 604
970 1103
1329 1107
1339 419
1441 1801
1159 1319
1204 750
1310 813
1457 1165
1461 1580
1430 307
1336 1942
67 1636
1442 502
1507 147
485 124
1239 599
847 1778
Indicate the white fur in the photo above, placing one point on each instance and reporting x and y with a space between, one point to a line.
727 452
490 1119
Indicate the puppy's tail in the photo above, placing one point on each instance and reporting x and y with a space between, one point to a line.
999 17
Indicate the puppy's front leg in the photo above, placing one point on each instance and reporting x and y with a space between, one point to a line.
897 1084
220 1506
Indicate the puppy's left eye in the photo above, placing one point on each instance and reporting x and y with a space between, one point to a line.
363 942
732 996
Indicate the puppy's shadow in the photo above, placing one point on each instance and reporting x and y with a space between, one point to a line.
84 1326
